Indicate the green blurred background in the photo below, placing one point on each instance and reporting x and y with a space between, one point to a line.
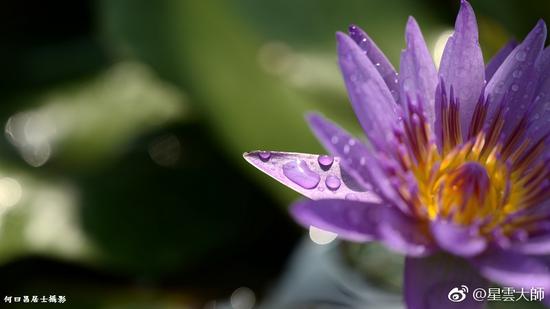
121 178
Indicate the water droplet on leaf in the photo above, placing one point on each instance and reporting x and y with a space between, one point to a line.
264 155
300 173
325 162
521 55
332 182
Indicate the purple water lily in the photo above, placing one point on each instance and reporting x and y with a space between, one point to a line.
455 173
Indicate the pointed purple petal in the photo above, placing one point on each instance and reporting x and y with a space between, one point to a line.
462 64
314 176
418 76
364 221
429 281
458 240
370 97
499 58
377 57
516 79
513 269
357 159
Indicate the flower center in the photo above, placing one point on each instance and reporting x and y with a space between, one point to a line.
465 185
490 180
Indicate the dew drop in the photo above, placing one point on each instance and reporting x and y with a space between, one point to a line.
517 73
521 55
499 88
332 182
334 139
407 84
547 106
515 87
264 155
346 149
325 162
299 173
377 64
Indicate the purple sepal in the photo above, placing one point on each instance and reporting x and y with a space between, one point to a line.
313 176
365 221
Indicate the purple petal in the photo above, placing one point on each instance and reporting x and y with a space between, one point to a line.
418 75
314 176
513 269
543 65
462 64
458 240
377 57
370 97
539 245
438 123
351 220
364 221
541 109
357 159
405 235
498 59
516 79
429 281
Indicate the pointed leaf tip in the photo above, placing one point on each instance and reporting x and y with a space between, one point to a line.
314 176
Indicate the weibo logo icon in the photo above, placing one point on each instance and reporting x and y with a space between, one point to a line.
458 294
